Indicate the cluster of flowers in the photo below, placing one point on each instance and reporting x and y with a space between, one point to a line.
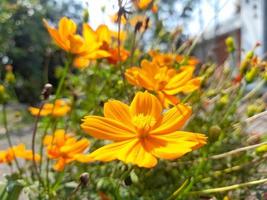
146 129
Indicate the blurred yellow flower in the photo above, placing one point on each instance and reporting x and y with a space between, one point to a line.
142 20
65 36
85 47
141 132
166 82
105 39
142 4
64 148
59 109
169 59
18 151
114 19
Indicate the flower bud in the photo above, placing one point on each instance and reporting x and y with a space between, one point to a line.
244 66
84 179
224 100
230 44
10 77
250 55
3 95
85 16
261 149
251 74
47 90
154 9
214 132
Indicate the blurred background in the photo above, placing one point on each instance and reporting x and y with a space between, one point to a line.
26 45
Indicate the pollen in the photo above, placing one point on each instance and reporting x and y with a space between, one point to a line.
143 123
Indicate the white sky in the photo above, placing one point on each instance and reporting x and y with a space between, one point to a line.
226 9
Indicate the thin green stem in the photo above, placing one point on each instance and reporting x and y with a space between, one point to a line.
48 160
33 145
230 187
9 138
63 77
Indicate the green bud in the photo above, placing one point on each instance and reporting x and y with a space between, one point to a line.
251 74
261 149
244 66
230 44
85 16
250 55
224 100
214 132
10 78
252 110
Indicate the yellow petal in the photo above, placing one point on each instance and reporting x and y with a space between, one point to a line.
118 111
66 27
77 44
167 100
103 34
81 62
78 147
146 104
129 151
173 119
168 149
106 128
176 144
59 165
64 44
89 35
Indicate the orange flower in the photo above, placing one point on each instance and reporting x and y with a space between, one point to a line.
141 132
64 148
165 81
114 58
59 109
142 4
168 59
65 36
84 48
18 151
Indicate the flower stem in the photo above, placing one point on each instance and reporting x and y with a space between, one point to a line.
230 187
33 145
9 138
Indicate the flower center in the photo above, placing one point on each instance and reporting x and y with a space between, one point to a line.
143 124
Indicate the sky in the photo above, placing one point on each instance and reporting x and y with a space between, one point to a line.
225 10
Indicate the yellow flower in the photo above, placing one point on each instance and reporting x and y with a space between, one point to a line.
64 148
94 40
142 4
18 151
59 109
65 36
166 82
85 48
141 132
